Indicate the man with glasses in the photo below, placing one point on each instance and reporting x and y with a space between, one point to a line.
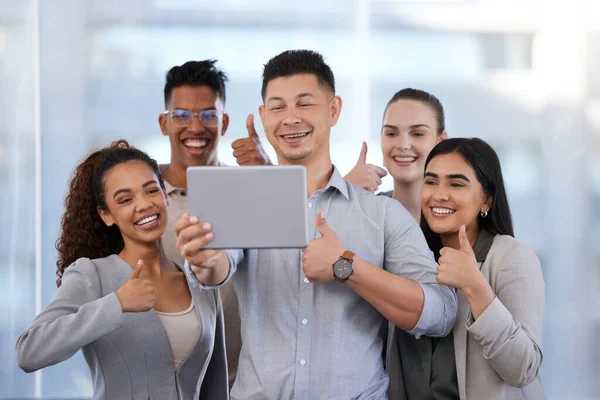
194 121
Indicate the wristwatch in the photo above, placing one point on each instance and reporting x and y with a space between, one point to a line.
342 268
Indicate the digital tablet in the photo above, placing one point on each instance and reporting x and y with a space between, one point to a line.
251 206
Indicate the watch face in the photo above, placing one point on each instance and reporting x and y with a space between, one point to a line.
342 268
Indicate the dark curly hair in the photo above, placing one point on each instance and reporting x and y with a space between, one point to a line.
83 233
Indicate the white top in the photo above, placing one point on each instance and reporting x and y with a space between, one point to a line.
183 330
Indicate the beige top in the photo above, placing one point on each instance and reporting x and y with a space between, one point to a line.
183 329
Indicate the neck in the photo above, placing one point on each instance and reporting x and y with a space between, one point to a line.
318 172
175 173
452 240
409 194
152 254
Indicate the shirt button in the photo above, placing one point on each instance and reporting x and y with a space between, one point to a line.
306 280
309 204
302 362
304 321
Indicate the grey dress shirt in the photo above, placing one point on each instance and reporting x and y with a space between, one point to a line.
320 341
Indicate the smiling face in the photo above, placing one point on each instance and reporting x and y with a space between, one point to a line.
408 134
297 116
452 196
195 144
135 202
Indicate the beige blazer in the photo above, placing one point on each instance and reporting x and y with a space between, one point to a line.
499 355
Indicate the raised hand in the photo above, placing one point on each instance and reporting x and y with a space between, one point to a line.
320 254
249 150
137 294
367 176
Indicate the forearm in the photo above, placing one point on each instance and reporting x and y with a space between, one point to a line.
398 299
62 329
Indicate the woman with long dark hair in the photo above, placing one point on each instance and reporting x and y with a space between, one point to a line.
143 330
467 223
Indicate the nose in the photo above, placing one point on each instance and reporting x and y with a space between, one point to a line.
440 194
291 119
404 142
143 204
195 126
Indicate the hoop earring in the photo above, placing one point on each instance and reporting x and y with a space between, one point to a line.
483 214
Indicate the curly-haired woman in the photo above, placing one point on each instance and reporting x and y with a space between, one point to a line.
143 330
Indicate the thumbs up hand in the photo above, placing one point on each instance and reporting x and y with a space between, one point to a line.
367 176
458 268
249 151
321 253
137 294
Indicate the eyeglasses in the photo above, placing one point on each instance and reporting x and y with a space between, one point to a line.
183 118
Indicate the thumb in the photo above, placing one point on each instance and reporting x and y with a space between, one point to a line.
362 158
463 239
250 127
321 224
137 270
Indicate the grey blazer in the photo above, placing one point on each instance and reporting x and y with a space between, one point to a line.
499 355
129 354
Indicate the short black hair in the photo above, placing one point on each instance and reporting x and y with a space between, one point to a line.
294 62
425 98
196 73
484 161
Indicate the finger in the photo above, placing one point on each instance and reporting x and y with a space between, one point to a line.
184 222
137 270
362 157
248 159
380 171
378 180
242 151
321 224
191 232
240 143
464 240
192 248
250 127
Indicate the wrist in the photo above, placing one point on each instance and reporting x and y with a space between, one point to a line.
477 287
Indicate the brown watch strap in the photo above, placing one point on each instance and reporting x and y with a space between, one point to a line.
348 255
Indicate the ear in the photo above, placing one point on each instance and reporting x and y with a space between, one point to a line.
335 109
225 124
487 205
442 136
166 196
162 121
105 215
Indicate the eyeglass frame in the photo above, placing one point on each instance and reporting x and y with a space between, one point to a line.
194 114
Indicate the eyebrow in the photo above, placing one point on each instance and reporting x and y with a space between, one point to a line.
277 98
204 109
410 127
150 182
451 176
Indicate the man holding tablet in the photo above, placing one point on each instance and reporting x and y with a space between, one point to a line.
311 317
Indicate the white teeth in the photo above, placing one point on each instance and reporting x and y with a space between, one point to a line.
147 220
440 210
295 135
404 159
196 143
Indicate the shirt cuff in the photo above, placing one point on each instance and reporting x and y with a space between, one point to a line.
494 316
233 257
432 316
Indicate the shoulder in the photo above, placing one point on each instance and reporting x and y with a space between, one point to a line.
91 268
509 254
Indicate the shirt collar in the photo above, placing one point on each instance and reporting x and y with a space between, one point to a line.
482 245
338 182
